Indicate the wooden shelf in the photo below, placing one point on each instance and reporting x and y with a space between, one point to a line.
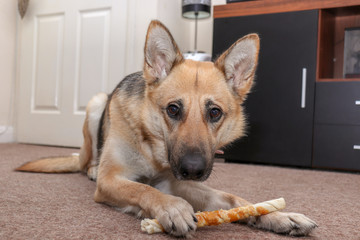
331 30
338 79
277 6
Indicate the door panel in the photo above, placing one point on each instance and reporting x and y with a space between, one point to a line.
49 42
69 51
92 65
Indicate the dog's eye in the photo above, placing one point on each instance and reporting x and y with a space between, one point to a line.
173 110
215 114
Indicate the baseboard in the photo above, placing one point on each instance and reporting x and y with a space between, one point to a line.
8 135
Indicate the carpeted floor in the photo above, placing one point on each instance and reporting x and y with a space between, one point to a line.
60 206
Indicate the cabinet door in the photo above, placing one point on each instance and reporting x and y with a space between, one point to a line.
279 127
337 103
337 146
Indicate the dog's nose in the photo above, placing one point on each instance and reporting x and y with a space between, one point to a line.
192 166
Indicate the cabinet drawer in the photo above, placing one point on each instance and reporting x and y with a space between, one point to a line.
337 146
337 103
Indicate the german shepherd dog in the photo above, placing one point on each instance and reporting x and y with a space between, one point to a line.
151 143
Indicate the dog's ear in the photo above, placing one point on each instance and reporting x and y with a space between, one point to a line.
161 52
239 62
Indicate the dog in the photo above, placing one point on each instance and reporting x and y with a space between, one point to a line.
151 143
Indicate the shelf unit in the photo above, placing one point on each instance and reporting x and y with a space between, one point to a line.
334 17
335 108
332 25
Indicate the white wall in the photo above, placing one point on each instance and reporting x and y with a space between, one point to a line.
169 12
141 12
8 16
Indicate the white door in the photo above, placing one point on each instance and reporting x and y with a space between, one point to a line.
69 51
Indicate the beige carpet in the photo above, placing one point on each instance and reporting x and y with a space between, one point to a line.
60 206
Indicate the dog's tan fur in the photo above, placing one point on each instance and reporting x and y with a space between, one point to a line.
140 166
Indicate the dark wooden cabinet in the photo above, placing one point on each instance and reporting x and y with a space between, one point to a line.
296 35
280 126
337 125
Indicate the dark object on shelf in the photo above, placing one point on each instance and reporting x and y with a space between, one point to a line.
352 75
352 53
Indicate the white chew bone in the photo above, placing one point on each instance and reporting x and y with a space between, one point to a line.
222 216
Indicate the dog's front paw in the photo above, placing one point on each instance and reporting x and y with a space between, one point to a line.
294 224
176 216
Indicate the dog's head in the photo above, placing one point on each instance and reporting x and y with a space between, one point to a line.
195 107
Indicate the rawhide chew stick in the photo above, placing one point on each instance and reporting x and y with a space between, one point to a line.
222 216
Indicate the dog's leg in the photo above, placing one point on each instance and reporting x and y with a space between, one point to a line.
88 152
200 196
204 198
174 213
294 224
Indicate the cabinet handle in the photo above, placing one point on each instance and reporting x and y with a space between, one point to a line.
356 147
303 88
357 102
